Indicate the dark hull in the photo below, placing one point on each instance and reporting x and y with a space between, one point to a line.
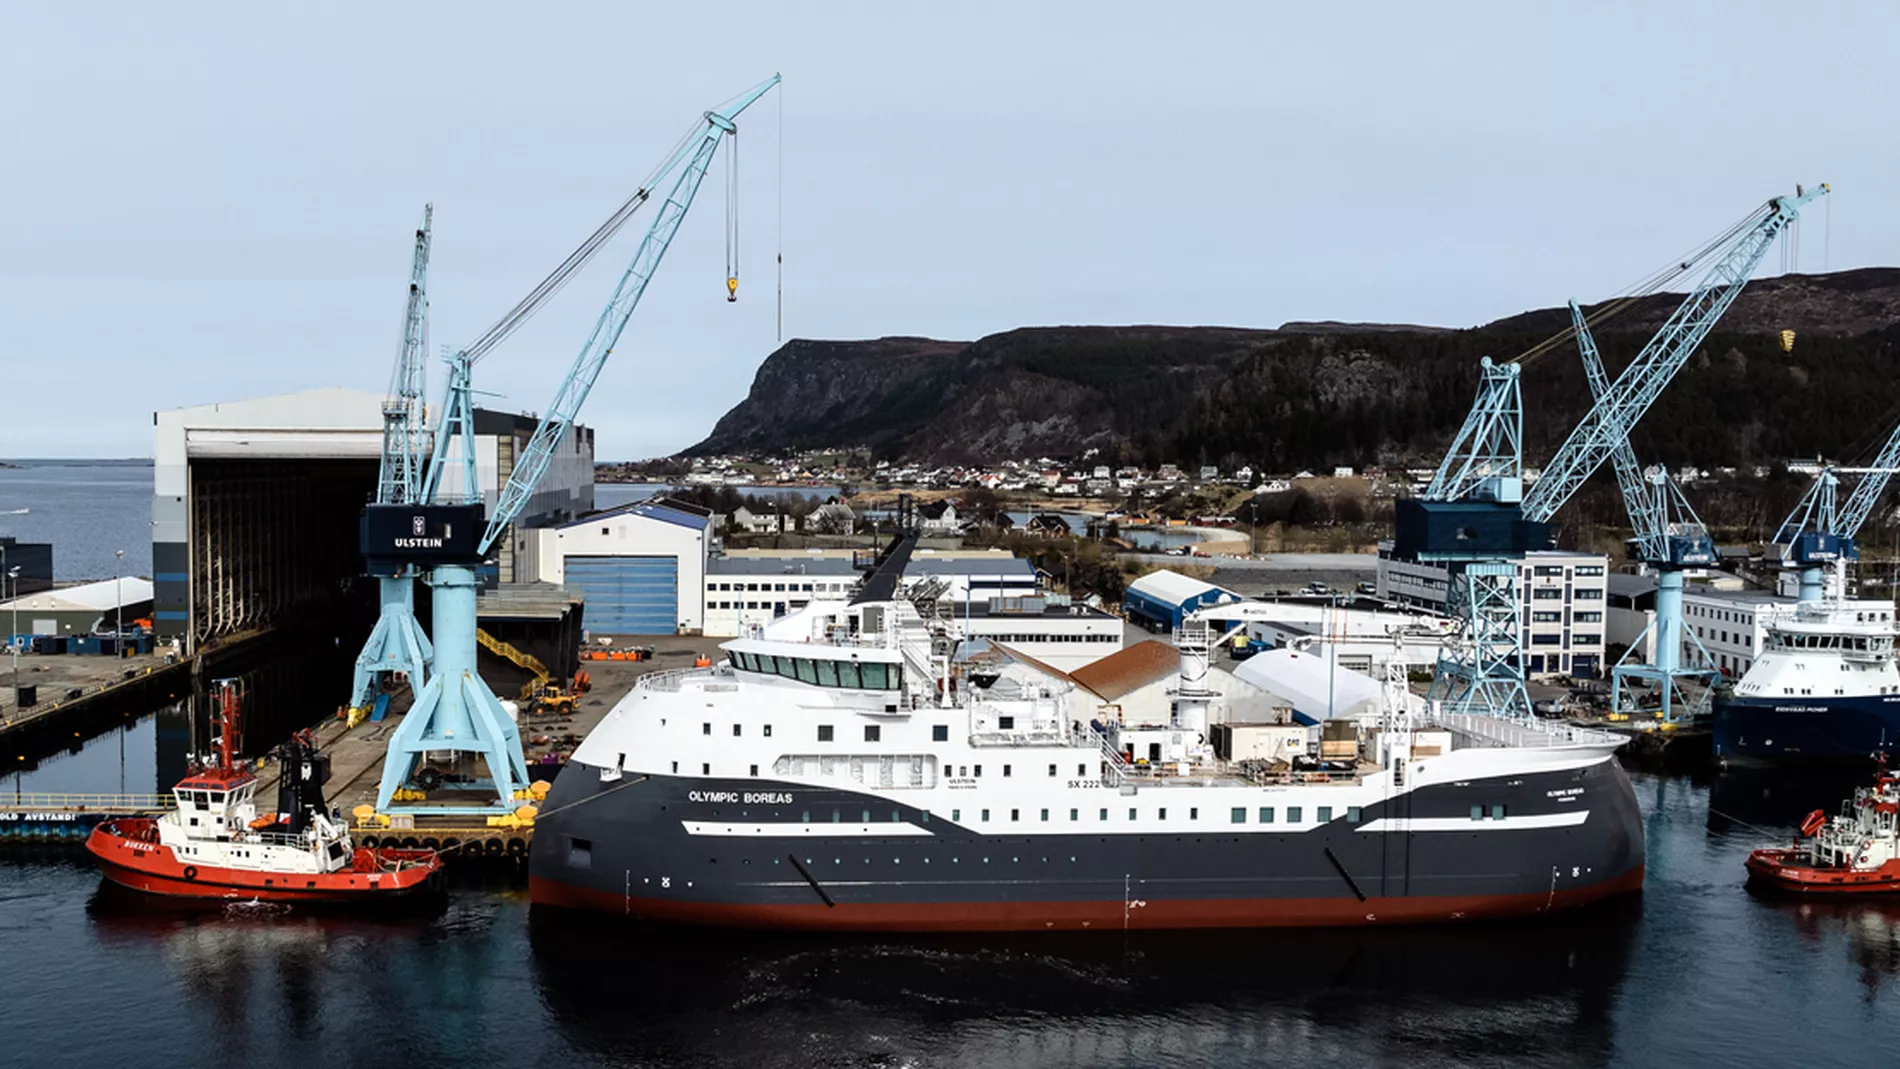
620 847
1797 730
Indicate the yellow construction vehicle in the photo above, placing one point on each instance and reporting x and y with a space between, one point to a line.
551 698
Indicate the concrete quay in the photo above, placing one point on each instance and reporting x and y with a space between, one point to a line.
356 756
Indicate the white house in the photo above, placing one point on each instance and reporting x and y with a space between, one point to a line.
938 518
744 519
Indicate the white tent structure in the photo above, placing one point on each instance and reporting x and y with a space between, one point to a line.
1316 686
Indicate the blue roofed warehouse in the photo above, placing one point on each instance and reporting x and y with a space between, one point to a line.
1162 600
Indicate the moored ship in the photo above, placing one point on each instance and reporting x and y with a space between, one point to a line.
1824 688
216 845
843 769
1856 852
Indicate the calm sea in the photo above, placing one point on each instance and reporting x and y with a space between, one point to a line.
87 509
1697 971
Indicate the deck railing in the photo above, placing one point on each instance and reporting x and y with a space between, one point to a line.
86 803
1497 731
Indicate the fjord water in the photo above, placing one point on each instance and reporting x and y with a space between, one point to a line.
1695 971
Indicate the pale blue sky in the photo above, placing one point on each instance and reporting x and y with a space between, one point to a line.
206 203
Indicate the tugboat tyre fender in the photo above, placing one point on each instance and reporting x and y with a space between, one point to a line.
1815 822
191 872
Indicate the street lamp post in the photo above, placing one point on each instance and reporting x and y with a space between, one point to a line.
118 597
13 630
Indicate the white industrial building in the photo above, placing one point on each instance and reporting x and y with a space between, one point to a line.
1561 594
1733 624
1137 687
973 575
255 502
77 610
1060 633
753 589
989 593
640 567
1363 640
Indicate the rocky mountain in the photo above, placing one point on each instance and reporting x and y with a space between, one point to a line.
1307 395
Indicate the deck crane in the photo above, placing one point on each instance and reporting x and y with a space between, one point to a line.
1820 533
1668 537
397 643
1476 519
455 711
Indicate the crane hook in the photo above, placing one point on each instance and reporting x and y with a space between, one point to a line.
732 289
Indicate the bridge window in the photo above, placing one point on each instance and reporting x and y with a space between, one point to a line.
1325 813
939 733
1239 814
1266 814
1292 814
824 733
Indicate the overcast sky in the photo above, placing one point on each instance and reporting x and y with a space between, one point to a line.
207 204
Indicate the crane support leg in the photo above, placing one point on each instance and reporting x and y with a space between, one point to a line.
397 643
1482 671
1669 672
455 713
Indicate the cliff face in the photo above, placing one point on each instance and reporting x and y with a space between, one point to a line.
1314 394
834 393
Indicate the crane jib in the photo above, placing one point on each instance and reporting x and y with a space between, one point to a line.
1609 422
691 162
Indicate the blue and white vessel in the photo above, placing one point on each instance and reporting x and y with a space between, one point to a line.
1825 688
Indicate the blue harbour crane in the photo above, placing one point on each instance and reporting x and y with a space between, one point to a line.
1820 533
1476 518
1668 537
397 643
455 712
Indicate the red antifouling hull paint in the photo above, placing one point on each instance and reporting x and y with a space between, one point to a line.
1076 916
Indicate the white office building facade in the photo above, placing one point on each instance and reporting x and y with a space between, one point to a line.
1561 598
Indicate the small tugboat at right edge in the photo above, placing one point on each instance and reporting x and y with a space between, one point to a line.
216 845
1857 852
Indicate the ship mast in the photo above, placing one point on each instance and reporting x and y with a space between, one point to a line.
229 726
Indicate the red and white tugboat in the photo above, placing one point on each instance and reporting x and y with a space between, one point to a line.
215 845
1857 852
